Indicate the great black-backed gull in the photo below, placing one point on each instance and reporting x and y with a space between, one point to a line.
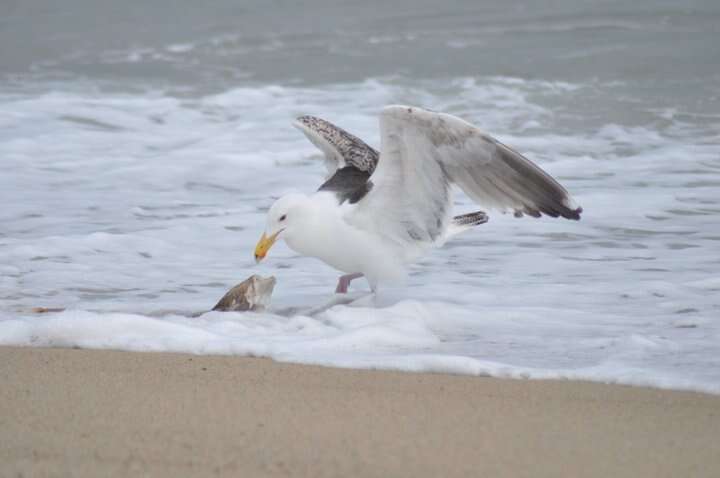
378 212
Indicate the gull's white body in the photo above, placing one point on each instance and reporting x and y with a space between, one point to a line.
322 222
407 208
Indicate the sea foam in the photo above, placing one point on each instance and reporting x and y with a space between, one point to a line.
137 209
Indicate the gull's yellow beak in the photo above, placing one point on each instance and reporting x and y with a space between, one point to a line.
264 245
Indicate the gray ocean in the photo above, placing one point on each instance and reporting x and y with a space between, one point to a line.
141 144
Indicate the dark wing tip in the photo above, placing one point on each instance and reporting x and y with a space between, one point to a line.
564 212
540 194
574 214
552 211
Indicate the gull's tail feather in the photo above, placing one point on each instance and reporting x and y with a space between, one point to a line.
464 222
469 220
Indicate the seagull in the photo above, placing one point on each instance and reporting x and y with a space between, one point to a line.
377 213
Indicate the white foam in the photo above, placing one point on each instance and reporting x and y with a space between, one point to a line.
401 337
136 210
180 47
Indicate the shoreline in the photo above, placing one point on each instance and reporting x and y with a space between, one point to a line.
112 413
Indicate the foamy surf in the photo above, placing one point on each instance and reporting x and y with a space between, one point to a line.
407 336
135 210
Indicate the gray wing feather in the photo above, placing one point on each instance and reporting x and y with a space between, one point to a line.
410 199
423 152
486 170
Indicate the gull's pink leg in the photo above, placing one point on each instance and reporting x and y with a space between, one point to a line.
344 282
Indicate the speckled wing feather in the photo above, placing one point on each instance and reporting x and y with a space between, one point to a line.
341 149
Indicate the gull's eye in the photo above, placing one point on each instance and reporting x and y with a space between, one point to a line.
283 217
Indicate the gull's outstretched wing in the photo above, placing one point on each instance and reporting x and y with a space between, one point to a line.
349 161
423 152
341 149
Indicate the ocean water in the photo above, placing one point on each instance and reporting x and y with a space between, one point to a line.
140 154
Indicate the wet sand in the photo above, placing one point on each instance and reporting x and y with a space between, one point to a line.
106 413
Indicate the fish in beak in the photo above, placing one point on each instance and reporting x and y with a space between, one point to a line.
264 245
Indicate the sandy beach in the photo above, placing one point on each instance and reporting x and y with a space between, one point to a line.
104 413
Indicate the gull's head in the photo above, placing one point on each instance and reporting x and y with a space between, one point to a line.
282 222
